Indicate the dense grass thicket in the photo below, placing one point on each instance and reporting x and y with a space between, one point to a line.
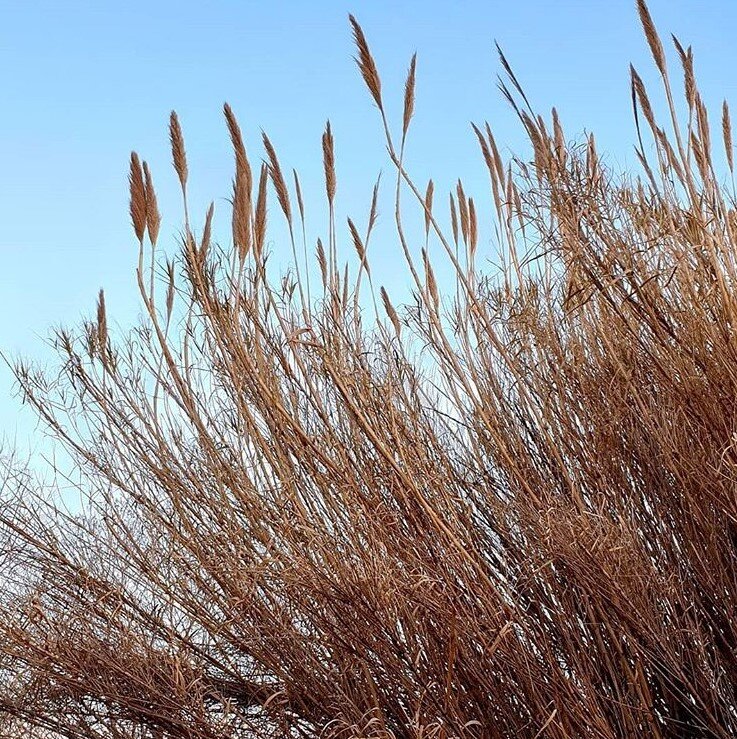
506 508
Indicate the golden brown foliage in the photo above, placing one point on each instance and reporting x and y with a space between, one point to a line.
510 511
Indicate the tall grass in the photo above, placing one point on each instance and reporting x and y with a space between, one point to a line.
505 509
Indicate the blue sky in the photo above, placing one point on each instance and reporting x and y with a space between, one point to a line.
83 83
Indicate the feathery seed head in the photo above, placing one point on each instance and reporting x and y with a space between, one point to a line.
328 160
153 217
428 206
727 135
366 63
178 153
137 197
280 186
656 47
409 96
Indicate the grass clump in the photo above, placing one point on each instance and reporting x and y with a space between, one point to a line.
505 509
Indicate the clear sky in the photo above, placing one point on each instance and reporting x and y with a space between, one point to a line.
83 83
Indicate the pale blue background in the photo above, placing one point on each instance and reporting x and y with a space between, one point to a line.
83 83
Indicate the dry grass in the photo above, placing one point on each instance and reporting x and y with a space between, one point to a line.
507 510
